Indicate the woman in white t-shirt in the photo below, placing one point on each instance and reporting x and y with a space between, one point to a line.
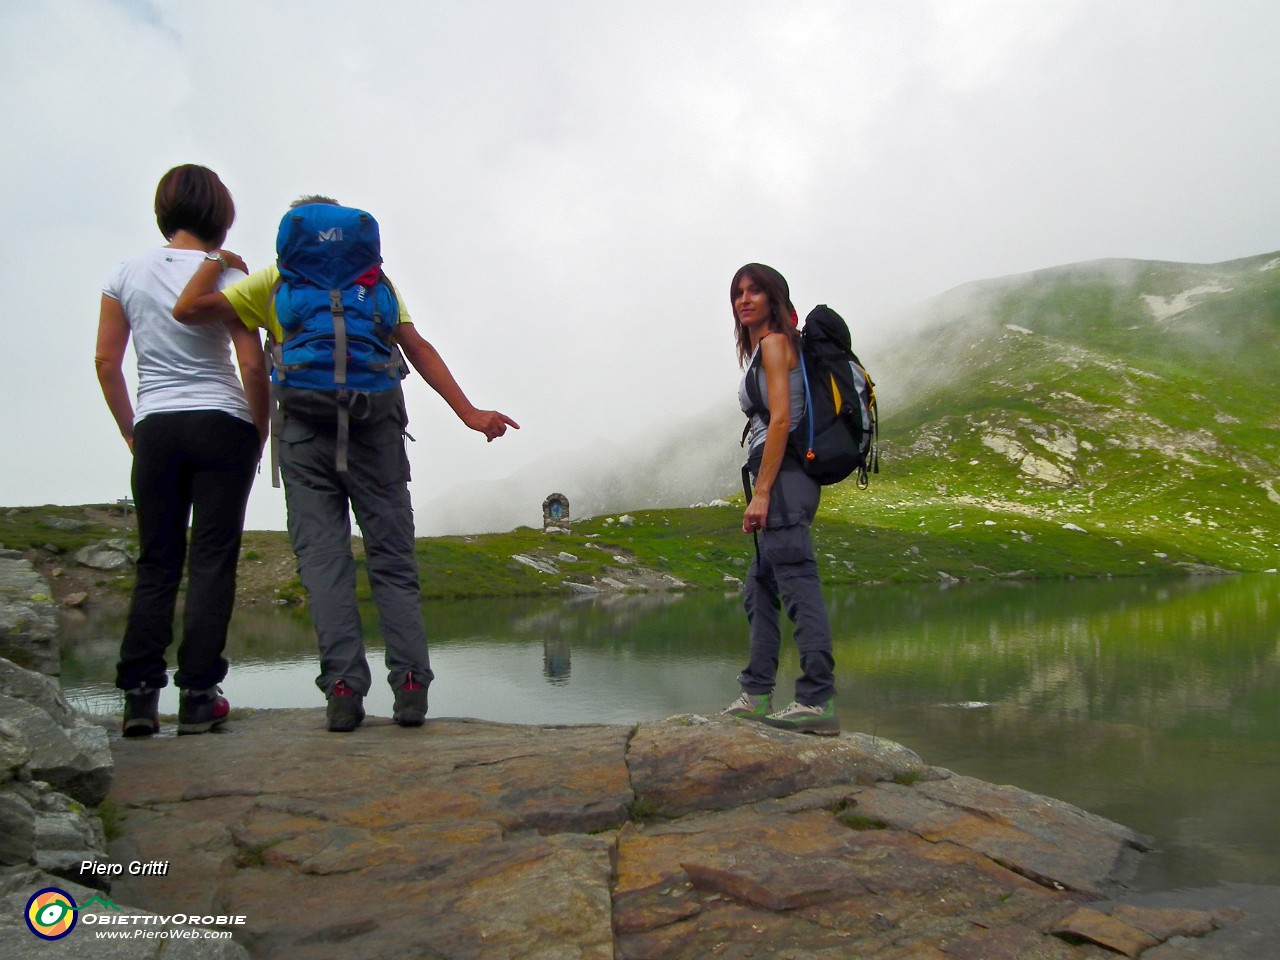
196 436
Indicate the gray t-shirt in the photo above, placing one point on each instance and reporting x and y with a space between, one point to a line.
180 367
759 427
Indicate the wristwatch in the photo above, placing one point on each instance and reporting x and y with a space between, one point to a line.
217 256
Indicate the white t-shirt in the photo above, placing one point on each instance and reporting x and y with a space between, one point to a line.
180 367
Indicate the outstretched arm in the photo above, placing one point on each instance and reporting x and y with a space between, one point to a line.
428 362
113 338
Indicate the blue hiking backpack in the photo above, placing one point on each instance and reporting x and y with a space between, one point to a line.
335 306
337 361
837 435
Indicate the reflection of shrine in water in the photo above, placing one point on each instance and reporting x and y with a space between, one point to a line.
556 656
557 652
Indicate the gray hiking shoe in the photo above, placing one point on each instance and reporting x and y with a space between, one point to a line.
199 711
749 706
141 712
345 710
411 703
804 718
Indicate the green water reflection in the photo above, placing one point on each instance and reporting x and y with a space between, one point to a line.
1154 703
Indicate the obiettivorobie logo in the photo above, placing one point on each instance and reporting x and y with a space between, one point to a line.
52 913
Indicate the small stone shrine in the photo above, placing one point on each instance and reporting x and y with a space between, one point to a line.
555 512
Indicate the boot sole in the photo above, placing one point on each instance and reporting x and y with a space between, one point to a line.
343 727
205 727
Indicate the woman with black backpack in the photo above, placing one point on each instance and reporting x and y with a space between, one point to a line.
782 502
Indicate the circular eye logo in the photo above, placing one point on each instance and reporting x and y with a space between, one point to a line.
51 913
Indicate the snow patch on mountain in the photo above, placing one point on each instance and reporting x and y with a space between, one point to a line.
1165 308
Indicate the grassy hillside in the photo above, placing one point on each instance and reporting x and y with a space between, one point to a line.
1117 418
1134 400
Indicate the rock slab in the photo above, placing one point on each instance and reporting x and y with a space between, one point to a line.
684 838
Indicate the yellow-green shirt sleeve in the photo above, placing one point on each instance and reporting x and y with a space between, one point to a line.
252 301
255 306
404 311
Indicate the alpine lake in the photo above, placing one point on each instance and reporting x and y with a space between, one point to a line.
1153 702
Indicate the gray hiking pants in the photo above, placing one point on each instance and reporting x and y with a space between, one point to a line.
784 572
375 486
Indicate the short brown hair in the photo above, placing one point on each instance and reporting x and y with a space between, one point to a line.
192 198
313 198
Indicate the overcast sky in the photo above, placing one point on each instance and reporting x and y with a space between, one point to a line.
566 188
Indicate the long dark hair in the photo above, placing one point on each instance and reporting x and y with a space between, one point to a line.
192 198
782 318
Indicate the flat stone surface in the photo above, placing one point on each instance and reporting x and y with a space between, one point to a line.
724 763
1039 837
687 838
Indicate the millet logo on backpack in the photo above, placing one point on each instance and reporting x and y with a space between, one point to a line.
333 233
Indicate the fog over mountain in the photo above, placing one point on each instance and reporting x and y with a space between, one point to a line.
677 464
1126 354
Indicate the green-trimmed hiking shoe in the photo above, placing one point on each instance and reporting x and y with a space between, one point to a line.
804 718
749 706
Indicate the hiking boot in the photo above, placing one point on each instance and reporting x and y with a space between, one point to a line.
749 706
345 711
199 711
411 703
141 712
803 718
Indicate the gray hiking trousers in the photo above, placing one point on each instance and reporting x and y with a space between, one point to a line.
375 485
784 572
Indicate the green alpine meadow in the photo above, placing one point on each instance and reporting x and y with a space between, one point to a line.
1108 419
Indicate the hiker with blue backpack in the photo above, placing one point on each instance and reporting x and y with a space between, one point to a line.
782 500
338 338
195 434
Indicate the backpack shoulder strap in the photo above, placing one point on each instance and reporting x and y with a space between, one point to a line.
752 383
399 365
275 362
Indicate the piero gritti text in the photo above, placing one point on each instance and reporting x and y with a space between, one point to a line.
135 868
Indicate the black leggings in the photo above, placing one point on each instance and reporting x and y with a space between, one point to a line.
196 465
